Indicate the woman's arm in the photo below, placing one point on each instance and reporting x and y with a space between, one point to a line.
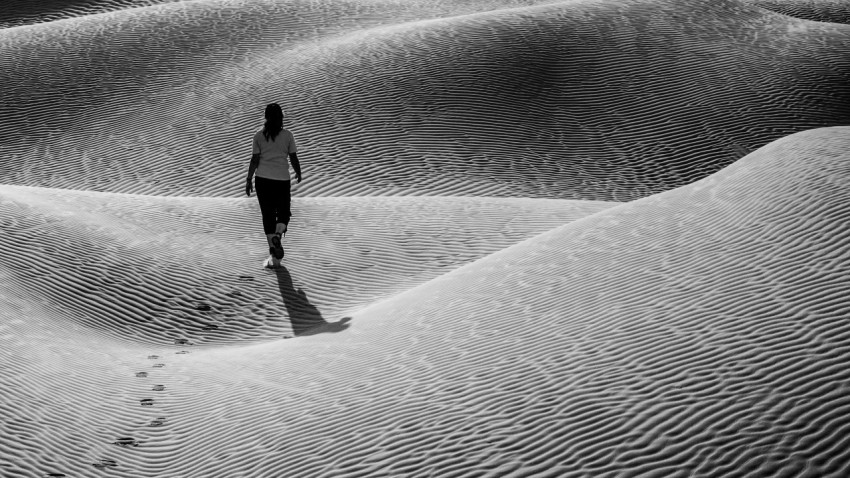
293 158
255 162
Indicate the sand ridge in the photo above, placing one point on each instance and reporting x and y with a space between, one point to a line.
165 259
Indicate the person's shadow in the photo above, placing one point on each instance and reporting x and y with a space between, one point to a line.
304 316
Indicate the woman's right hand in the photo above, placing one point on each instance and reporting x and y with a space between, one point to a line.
249 186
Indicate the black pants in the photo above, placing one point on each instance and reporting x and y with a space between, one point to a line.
274 200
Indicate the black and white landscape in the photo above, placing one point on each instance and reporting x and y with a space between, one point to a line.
590 238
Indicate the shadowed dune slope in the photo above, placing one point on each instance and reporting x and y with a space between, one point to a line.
27 12
698 332
831 11
153 269
581 100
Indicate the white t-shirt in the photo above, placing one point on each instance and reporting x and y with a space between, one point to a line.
274 154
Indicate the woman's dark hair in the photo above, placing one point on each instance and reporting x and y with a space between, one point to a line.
274 121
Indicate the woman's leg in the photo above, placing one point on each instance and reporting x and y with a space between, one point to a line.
266 195
282 206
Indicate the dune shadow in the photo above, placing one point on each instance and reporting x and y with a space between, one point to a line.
304 316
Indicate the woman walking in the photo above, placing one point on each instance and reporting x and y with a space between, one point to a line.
273 145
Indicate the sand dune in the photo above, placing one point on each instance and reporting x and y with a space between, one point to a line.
696 332
599 100
141 267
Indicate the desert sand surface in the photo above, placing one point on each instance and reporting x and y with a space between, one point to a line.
593 238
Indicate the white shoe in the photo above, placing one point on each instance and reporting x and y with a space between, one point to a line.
272 262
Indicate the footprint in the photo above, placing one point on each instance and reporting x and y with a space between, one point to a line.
158 388
153 357
128 441
182 342
246 278
158 365
55 474
203 307
146 402
210 327
182 352
104 463
141 374
158 422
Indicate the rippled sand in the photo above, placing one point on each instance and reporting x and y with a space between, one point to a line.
591 238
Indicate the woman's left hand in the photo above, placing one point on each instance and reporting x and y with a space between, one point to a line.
249 186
